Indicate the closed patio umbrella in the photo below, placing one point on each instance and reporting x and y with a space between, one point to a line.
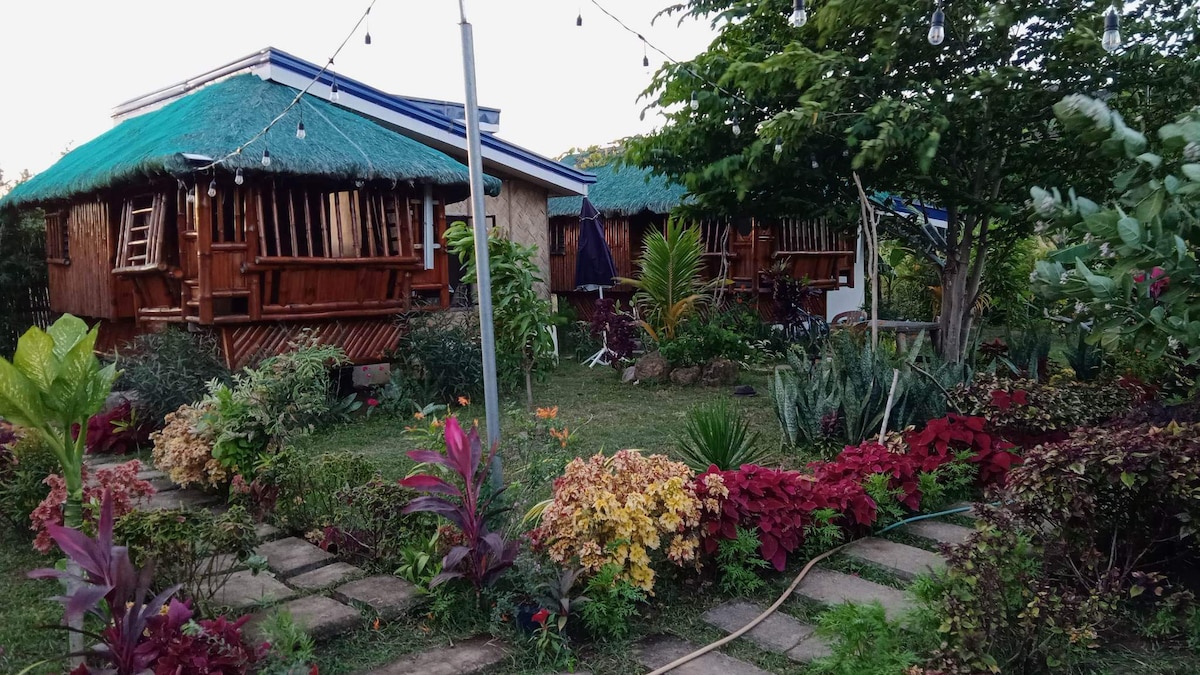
594 268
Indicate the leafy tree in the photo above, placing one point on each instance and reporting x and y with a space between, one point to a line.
22 268
1133 266
524 345
966 125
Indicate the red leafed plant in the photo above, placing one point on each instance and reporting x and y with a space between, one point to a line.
779 505
120 483
856 462
944 438
483 555
119 431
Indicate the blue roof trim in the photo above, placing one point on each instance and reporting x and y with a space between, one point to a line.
420 113
932 212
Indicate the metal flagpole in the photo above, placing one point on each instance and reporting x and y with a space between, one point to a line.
483 274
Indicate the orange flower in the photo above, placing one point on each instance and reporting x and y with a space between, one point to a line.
561 436
375 625
436 423
419 415
547 413
463 400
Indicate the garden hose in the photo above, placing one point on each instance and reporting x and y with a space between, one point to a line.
787 593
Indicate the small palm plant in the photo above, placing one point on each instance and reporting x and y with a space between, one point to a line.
669 286
718 435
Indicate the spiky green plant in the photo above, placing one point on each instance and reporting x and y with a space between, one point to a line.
717 435
669 286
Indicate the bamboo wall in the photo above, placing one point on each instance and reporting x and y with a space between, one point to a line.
520 212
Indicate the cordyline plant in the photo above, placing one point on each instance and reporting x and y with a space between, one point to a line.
482 555
54 384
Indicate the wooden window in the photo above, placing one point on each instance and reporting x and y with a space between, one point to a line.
303 223
143 221
558 236
58 244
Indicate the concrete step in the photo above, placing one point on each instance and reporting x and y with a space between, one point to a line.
655 652
833 588
476 655
292 556
777 633
904 561
386 595
936 530
245 589
180 499
319 616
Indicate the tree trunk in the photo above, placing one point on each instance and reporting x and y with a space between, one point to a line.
529 387
73 517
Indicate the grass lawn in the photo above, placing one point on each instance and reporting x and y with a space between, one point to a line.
25 607
604 415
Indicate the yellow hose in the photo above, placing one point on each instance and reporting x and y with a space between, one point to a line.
757 620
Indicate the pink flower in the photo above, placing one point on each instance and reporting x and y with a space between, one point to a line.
541 616
372 402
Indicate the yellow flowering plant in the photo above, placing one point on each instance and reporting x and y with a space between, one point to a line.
619 510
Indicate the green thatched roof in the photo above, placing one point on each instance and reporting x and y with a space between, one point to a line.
216 119
622 191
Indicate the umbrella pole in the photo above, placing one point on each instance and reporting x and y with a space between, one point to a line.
599 357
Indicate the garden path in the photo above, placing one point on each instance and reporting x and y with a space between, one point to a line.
789 636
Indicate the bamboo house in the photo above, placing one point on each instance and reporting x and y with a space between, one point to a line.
632 201
335 229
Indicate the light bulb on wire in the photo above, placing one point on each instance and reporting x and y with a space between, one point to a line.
737 128
300 132
695 104
237 177
266 160
334 94
799 15
778 146
1112 32
937 26
191 196
367 37
212 188
579 19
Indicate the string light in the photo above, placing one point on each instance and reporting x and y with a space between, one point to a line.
212 188
937 26
799 15
300 132
737 128
579 19
237 177
695 101
778 146
1112 32
334 95
645 54
295 100
367 37
191 196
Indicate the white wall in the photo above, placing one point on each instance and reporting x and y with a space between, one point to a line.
848 299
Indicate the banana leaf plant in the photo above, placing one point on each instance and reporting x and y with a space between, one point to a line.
669 285
483 555
54 384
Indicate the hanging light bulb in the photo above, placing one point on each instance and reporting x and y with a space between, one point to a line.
937 26
237 177
695 101
191 196
266 157
815 164
300 132
737 128
359 183
778 146
579 19
367 38
799 15
333 91
212 188
1112 33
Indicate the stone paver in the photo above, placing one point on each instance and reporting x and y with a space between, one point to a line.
324 577
244 589
266 532
465 658
656 652
832 588
319 616
777 633
906 562
221 563
180 499
292 556
936 530
388 596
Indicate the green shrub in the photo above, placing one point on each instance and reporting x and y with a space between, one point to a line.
1020 409
738 562
698 342
864 642
612 603
24 465
717 434
292 648
193 548
309 487
439 360
169 369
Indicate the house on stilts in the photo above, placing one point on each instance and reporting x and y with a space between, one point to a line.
336 230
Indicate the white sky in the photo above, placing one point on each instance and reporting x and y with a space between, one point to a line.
68 62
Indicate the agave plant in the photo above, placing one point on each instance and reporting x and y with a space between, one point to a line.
483 555
669 287
717 435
